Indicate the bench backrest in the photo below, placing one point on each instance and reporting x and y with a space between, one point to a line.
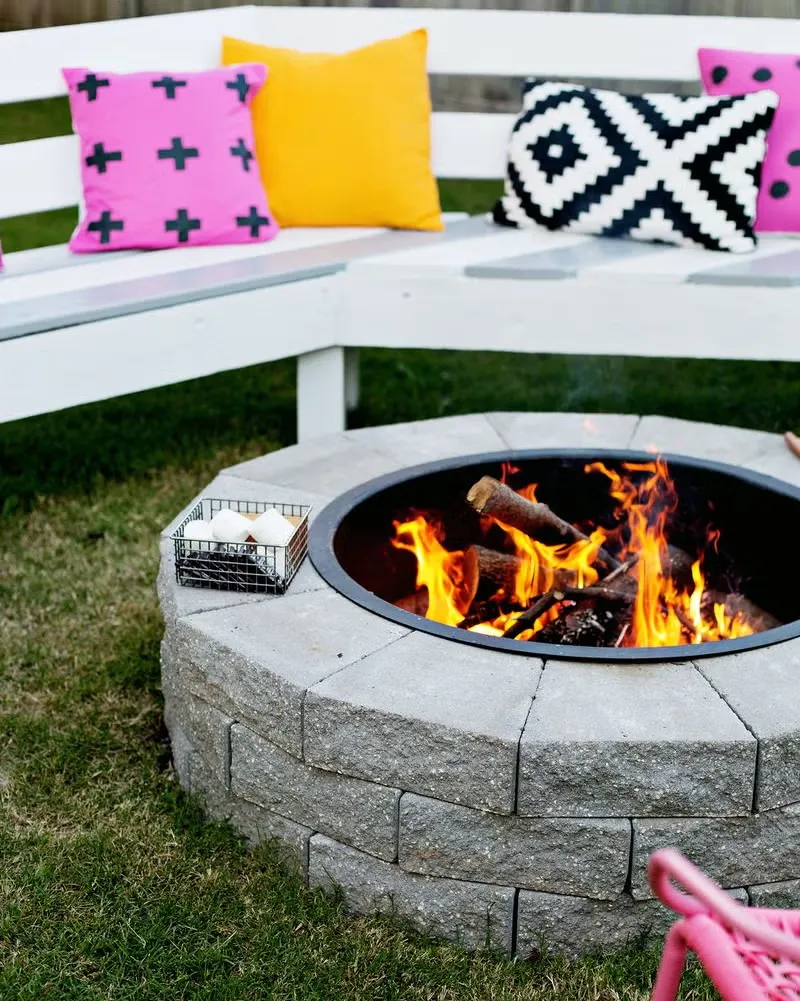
41 175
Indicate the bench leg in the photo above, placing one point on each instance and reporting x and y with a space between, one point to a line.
320 393
352 383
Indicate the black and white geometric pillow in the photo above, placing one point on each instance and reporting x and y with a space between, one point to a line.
656 167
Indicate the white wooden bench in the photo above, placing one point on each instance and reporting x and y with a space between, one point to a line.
79 329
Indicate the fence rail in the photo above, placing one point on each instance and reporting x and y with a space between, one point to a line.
40 13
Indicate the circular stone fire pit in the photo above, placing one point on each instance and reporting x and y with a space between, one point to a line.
490 798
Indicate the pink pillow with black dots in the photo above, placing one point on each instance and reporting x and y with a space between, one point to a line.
728 71
168 160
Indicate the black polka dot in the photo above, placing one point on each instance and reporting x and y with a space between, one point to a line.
719 73
762 74
779 189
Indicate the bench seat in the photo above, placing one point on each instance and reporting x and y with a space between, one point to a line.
78 329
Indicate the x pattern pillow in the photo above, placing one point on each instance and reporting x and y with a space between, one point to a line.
168 159
659 167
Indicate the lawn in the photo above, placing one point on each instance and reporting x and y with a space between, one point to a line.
111 885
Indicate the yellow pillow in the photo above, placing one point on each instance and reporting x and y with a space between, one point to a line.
344 140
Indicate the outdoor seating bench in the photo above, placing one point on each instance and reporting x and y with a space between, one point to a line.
75 329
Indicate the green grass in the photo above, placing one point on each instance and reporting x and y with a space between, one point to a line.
111 885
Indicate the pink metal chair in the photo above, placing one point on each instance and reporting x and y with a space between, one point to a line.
749 953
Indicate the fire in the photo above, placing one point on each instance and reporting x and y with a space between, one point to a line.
440 572
663 611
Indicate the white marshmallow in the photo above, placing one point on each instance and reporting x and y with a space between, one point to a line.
230 526
272 529
198 531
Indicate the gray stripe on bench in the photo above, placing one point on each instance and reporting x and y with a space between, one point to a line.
140 295
777 271
563 262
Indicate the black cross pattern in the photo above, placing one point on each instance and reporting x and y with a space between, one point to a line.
169 85
253 220
240 85
179 153
182 224
105 225
101 159
241 150
91 84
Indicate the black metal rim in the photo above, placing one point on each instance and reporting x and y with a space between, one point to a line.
323 531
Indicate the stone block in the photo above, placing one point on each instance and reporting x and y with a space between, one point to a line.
200 744
776 461
177 600
761 848
361 814
256 661
763 688
612 740
554 855
538 430
705 441
785 895
473 915
574 926
425 441
416 712
328 465
258 826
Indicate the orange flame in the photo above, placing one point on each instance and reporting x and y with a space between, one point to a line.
440 572
663 614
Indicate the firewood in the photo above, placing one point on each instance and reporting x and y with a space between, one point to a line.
580 627
555 596
491 497
500 569
416 602
737 604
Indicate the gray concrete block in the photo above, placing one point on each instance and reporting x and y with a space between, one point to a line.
328 465
706 441
554 855
413 713
178 600
575 925
258 826
633 739
785 895
761 848
541 430
763 688
361 814
257 661
197 731
424 441
473 915
776 461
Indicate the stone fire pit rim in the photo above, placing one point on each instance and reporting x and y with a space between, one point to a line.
323 531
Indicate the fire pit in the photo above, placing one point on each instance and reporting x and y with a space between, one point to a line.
632 557
505 790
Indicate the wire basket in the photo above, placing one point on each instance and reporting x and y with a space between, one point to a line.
240 566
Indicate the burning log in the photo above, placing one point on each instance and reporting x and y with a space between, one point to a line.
555 596
580 627
417 603
737 604
501 569
490 496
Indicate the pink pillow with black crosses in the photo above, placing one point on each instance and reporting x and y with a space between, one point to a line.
168 160
728 71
